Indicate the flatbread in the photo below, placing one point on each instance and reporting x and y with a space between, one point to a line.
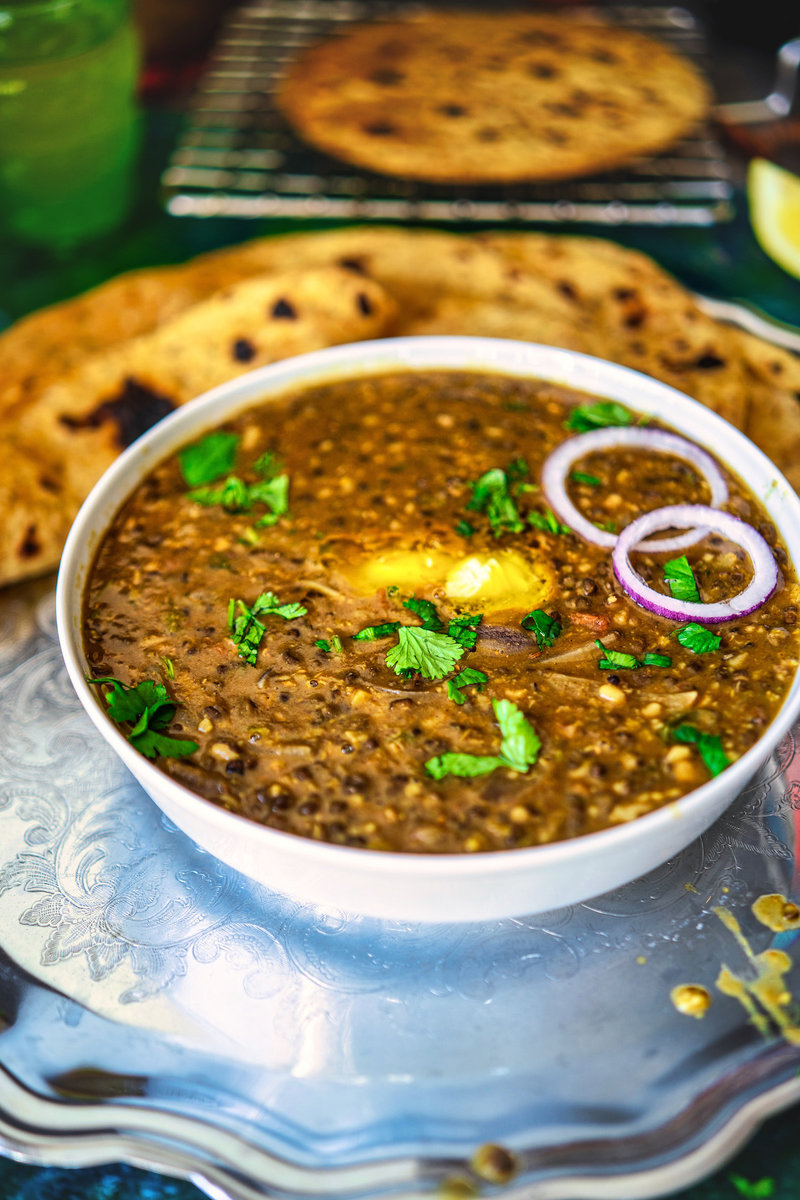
95 388
78 425
463 97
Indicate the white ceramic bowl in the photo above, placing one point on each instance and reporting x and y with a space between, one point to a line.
426 887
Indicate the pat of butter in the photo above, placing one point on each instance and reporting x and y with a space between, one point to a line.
505 580
408 570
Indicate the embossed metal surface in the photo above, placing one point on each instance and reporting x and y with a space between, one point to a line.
157 1007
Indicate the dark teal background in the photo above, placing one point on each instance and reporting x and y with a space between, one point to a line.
724 261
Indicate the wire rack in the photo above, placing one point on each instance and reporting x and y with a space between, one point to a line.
237 156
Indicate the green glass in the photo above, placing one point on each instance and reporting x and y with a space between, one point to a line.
68 118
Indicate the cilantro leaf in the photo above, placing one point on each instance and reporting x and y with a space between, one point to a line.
268 602
656 660
232 495
334 646
426 611
466 766
432 654
148 707
548 522
268 465
759 1189
376 631
582 477
151 744
680 578
275 494
209 459
464 529
697 639
464 630
246 629
517 469
545 629
709 746
613 660
520 746
492 495
596 416
469 677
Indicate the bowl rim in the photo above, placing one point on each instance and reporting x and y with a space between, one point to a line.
365 359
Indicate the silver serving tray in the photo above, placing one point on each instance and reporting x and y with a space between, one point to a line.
157 1008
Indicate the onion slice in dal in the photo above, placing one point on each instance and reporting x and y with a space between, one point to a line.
760 588
559 463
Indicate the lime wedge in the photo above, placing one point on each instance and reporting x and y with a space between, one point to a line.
774 198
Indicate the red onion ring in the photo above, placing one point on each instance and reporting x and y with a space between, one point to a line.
760 588
558 464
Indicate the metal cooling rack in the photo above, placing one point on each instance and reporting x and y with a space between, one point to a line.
237 155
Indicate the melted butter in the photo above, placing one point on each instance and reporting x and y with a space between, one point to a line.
765 997
506 579
410 570
691 999
777 913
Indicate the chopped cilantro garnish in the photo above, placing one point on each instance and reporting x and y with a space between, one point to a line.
517 469
657 660
466 766
548 522
376 631
469 677
545 629
268 465
426 611
247 630
231 495
595 416
759 1189
432 654
517 473
334 646
149 708
709 746
519 748
492 495
209 459
464 529
614 660
582 477
234 495
697 639
464 630
608 526
680 578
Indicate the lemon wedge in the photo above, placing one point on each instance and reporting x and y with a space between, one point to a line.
774 198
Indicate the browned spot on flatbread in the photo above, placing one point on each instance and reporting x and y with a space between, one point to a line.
30 545
135 410
283 310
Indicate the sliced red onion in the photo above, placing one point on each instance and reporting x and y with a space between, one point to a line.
760 588
558 465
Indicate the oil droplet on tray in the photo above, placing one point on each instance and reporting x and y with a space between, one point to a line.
777 912
691 999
